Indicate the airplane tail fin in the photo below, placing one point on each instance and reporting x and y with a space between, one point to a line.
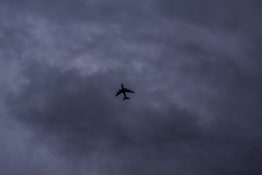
126 98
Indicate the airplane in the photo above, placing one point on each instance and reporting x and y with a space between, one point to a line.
124 90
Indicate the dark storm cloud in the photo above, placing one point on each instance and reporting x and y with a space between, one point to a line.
77 117
80 116
87 104
194 66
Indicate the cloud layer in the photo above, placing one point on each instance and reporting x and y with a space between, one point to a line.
195 68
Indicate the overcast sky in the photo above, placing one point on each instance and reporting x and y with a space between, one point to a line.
195 67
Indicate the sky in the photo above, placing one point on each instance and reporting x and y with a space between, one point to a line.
195 67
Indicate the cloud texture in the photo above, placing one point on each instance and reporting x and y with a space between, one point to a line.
195 68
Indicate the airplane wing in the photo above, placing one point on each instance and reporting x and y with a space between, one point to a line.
118 92
128 90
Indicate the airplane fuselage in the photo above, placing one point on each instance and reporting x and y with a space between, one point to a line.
123 90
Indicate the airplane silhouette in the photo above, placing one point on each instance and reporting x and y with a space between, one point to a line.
124 90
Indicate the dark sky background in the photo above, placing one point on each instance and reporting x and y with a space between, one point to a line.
195 67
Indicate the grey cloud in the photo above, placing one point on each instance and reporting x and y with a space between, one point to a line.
194 66
78 116
83 118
